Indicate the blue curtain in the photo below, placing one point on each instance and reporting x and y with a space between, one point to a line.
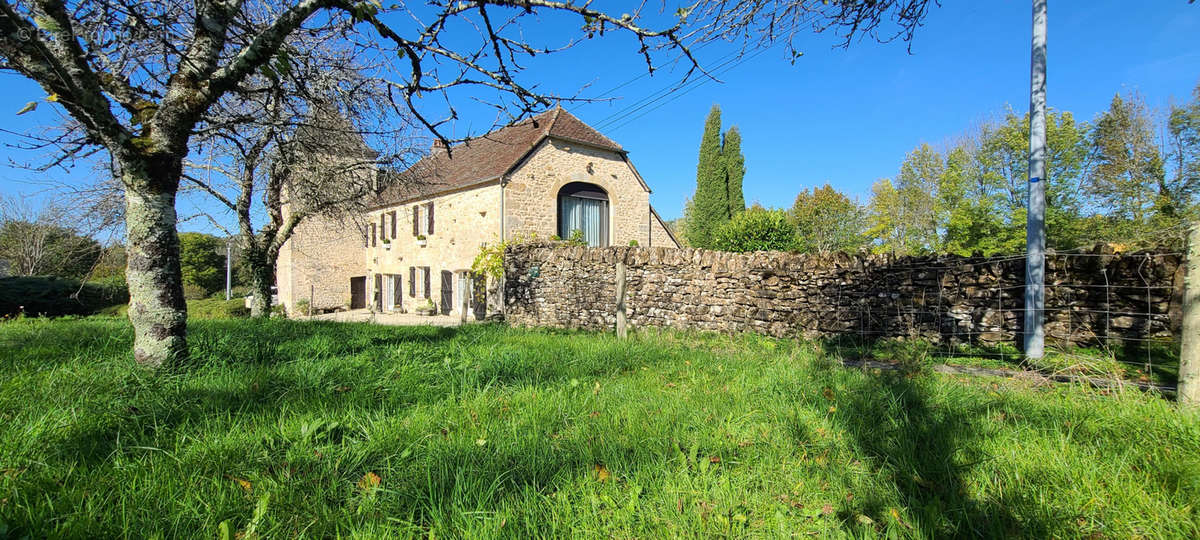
587 215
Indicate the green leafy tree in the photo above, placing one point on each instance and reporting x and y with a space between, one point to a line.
111 265
904 217
1183 155
826 220
884 217
1001 179
757 229
202 266
710 205
1129 177
735 170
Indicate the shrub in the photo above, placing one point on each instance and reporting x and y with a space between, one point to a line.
52 296
756 229
191 291
215 308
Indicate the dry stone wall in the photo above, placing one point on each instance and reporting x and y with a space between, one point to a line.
951 299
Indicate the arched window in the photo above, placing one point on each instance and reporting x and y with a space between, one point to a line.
583 207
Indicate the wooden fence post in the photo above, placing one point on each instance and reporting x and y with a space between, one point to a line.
1189 355
621 330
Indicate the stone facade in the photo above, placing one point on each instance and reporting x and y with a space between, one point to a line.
462 222
315 265
531 193
660 236
946 299
476 200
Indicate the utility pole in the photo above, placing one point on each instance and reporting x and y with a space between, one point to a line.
1035 222
228 272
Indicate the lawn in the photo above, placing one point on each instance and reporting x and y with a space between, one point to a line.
281 429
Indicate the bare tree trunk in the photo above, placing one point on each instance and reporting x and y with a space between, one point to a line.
156 306
262 270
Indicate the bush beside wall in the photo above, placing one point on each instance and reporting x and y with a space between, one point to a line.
53 296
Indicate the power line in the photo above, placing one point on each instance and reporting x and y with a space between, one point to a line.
678 95
659 94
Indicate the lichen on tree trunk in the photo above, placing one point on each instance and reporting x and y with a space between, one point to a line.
262 277
156 306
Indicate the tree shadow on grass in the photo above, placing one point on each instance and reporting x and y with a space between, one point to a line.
250 342
924 452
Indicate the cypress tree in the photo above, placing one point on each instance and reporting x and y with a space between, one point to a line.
710 205
735 170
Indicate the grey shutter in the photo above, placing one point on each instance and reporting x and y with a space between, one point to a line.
416 224
430 205
447 291
373 235
393 214
412 281
426 282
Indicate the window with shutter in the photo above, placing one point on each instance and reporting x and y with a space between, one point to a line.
412 282
427 282
373 237
429 210
416 220
383 224
393 215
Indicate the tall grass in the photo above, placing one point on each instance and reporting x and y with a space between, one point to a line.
281 429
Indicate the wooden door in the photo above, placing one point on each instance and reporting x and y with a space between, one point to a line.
358 292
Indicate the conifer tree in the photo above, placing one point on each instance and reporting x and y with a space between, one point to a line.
710 206
735 170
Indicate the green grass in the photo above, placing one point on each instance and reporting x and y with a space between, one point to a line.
1153 362
278 428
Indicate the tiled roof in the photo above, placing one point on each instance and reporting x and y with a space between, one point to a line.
487 157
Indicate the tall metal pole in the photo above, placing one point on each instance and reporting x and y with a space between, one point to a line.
1035 222
228 272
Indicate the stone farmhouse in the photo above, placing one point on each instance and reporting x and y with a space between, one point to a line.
547 176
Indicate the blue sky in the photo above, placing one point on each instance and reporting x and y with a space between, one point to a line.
846 117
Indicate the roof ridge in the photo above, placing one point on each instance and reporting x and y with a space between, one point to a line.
553 120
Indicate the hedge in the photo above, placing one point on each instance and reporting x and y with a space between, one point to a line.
51 296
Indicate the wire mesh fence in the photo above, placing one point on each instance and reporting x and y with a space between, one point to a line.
1106 314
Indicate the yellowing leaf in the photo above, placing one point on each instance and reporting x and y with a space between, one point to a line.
369 481
896 515
28 107
828 393
246 485
865 520
480 442
602 474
